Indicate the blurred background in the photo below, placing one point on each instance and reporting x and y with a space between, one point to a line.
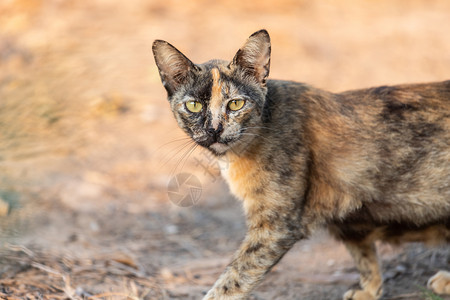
88 143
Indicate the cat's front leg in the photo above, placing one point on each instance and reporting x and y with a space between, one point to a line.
262 248
365 257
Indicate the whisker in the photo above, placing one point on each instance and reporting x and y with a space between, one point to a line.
260 127
174 153
255 135
180 158
185 155
189 154
183 139
173 141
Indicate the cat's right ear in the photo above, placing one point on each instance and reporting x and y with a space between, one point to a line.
174 68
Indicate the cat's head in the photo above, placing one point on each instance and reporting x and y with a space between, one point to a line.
218 103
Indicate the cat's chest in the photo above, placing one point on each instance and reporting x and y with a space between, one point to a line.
243 175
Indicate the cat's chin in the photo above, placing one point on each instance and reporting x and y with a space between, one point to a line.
219 148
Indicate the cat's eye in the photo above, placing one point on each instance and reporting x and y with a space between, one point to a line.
236 104
194 106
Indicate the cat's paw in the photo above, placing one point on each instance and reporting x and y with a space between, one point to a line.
440 283
358 295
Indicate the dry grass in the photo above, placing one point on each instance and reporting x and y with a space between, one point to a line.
39 275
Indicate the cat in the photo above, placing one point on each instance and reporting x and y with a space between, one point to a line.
370 164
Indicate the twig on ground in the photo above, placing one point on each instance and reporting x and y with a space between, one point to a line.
405 296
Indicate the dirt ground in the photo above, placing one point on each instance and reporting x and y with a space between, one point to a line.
88 143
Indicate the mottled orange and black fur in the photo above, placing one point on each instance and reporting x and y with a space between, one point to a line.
369 165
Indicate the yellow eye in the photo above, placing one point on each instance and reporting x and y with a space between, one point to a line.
194 106
236 104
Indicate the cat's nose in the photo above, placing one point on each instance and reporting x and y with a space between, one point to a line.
215 132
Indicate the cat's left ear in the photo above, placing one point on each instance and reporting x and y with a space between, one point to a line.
174 68
254 57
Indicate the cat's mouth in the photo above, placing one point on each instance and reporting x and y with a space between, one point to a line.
219 148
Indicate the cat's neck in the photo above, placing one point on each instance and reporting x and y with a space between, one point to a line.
240 171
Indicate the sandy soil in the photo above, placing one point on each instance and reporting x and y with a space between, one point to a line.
88 143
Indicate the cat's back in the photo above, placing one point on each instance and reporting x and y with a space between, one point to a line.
424 98
411 115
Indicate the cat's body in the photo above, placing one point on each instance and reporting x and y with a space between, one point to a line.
368 164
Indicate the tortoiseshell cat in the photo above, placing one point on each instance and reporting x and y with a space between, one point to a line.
369 165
